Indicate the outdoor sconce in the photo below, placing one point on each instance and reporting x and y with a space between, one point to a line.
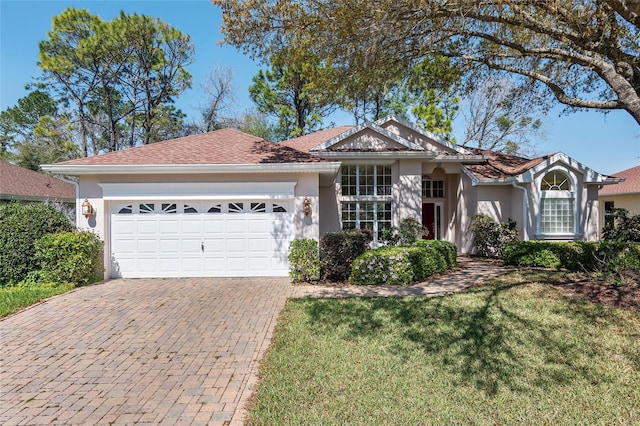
87 209
306 206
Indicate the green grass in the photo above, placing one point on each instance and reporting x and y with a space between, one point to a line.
12 299
514 351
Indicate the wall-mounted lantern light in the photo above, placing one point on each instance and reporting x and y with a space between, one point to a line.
306 206
87 209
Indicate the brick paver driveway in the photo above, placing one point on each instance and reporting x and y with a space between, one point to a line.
139 351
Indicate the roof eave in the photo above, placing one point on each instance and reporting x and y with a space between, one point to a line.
142 169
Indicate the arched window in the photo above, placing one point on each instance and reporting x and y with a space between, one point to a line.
557 208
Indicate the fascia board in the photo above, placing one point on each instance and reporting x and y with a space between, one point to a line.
141 169
462 158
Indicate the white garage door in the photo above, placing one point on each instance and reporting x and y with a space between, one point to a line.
200 239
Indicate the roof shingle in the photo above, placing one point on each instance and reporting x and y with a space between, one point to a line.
225 146
19 182
500 166
306 142
631 184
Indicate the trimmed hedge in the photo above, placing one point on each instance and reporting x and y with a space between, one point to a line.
339 249
70 257
575 255
21 226
304 260
401 265
446 249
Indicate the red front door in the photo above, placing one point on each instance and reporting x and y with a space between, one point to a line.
429 219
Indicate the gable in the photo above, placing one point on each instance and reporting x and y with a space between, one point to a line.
367 140
420 137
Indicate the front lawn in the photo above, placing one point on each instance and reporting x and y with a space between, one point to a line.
12 299
514 351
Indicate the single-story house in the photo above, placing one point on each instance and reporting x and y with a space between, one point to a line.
225 203
625 195
24 185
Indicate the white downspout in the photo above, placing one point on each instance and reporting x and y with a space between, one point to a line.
525 206
77 185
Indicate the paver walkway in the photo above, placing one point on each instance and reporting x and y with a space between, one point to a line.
171 351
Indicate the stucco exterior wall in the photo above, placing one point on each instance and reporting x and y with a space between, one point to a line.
458 227
407 191
495 201
329 209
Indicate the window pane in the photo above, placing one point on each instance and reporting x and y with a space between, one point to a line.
555 181
557 216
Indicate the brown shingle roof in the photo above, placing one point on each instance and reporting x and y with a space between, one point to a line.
631 184
306 142
500 166
23 183
225 146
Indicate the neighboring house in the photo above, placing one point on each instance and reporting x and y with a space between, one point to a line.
625 195
24 185
225 203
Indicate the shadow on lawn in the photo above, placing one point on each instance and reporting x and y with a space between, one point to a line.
481 337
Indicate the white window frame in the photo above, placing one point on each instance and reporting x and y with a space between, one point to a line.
557 194
385 198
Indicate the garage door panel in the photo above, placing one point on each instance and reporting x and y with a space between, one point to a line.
170 226
214 245
236 245
213 225
192 264
147 227
125 246
192 226
147 265
169 245
256 264
259 246
259 225
170 264
236 225
145 246
126 226
191 246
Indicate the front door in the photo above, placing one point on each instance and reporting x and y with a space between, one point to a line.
429 219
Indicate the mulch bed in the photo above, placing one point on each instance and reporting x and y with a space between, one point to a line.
625 296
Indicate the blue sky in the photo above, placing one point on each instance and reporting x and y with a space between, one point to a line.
607 143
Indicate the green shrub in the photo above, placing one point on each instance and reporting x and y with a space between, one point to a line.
339 249
304 260
400 265
70 257
624 227
386 265
21 225
489 237
605 256
408 232
446 249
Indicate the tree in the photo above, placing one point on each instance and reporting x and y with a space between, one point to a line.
256 124
19 122
501 116
35 132
112 72
218 89
586 53
51 142
290 93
